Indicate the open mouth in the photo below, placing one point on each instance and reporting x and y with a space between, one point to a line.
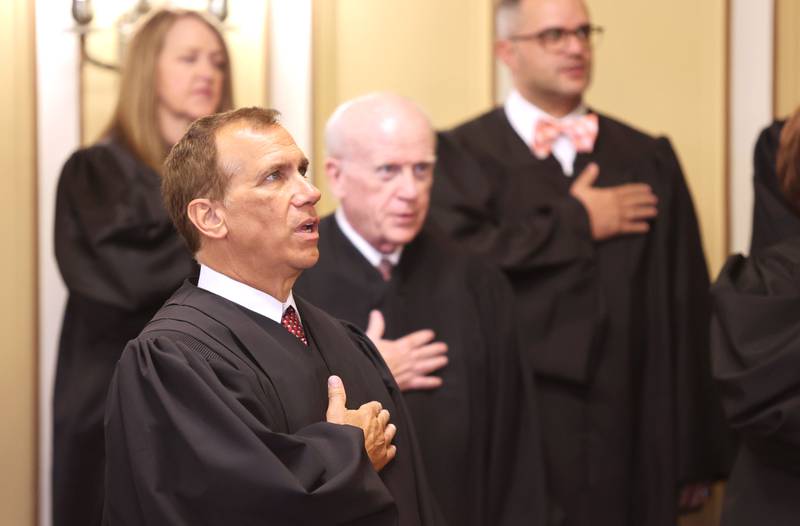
309 226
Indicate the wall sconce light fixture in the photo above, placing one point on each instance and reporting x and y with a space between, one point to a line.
83 14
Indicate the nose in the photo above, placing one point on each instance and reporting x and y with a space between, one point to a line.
306 193
207 68
574 44
408 187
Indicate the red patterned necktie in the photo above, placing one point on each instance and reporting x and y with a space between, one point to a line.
582 131
292 324
385 268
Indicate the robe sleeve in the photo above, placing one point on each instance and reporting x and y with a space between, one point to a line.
756 351
515 482
703 441
550 251
773 217
114 242
464 205
189 440
429 511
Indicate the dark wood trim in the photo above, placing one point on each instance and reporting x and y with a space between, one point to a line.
37 256
776 5
493 66
727 231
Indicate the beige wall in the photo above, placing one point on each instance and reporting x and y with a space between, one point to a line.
787 57
436 53
18 266
666 73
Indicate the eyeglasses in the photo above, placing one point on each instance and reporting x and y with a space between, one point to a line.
555 39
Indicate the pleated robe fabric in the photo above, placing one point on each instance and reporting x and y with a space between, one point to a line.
756 363
120 258
617 331
479 432
216 415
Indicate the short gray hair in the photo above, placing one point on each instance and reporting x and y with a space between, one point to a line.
506 18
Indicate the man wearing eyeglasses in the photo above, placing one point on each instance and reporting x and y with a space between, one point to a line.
594 225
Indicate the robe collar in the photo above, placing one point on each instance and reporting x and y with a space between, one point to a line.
369 252
244 295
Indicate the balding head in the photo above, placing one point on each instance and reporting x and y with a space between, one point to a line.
381 150
354 124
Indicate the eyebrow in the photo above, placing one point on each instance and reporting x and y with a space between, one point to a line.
427 160
197 49
284 165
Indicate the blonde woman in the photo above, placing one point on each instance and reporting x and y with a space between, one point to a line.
117 250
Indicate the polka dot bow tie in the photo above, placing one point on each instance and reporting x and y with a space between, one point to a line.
582 131
292 324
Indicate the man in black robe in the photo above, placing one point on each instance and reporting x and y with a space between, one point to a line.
218 412
608 270
756 363
380 269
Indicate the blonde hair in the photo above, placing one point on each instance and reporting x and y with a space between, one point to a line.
135 120
506 17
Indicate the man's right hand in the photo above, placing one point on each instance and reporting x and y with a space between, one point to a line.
616 210
412 358
370 417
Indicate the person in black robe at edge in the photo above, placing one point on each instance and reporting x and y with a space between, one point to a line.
218 412
756 343
116 248
601 244
418 296
774 216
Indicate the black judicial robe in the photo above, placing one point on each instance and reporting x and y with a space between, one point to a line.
216 415
617 331
774 218
120 258
478 432
756 362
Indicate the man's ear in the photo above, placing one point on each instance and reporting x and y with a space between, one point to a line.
504 51
208 217
333 171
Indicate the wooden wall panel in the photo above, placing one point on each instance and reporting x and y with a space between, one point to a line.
787 57
662 67
18 264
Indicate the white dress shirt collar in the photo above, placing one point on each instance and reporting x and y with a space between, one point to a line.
369 252
244 295
523 116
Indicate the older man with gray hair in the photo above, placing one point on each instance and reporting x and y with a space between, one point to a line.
442 319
